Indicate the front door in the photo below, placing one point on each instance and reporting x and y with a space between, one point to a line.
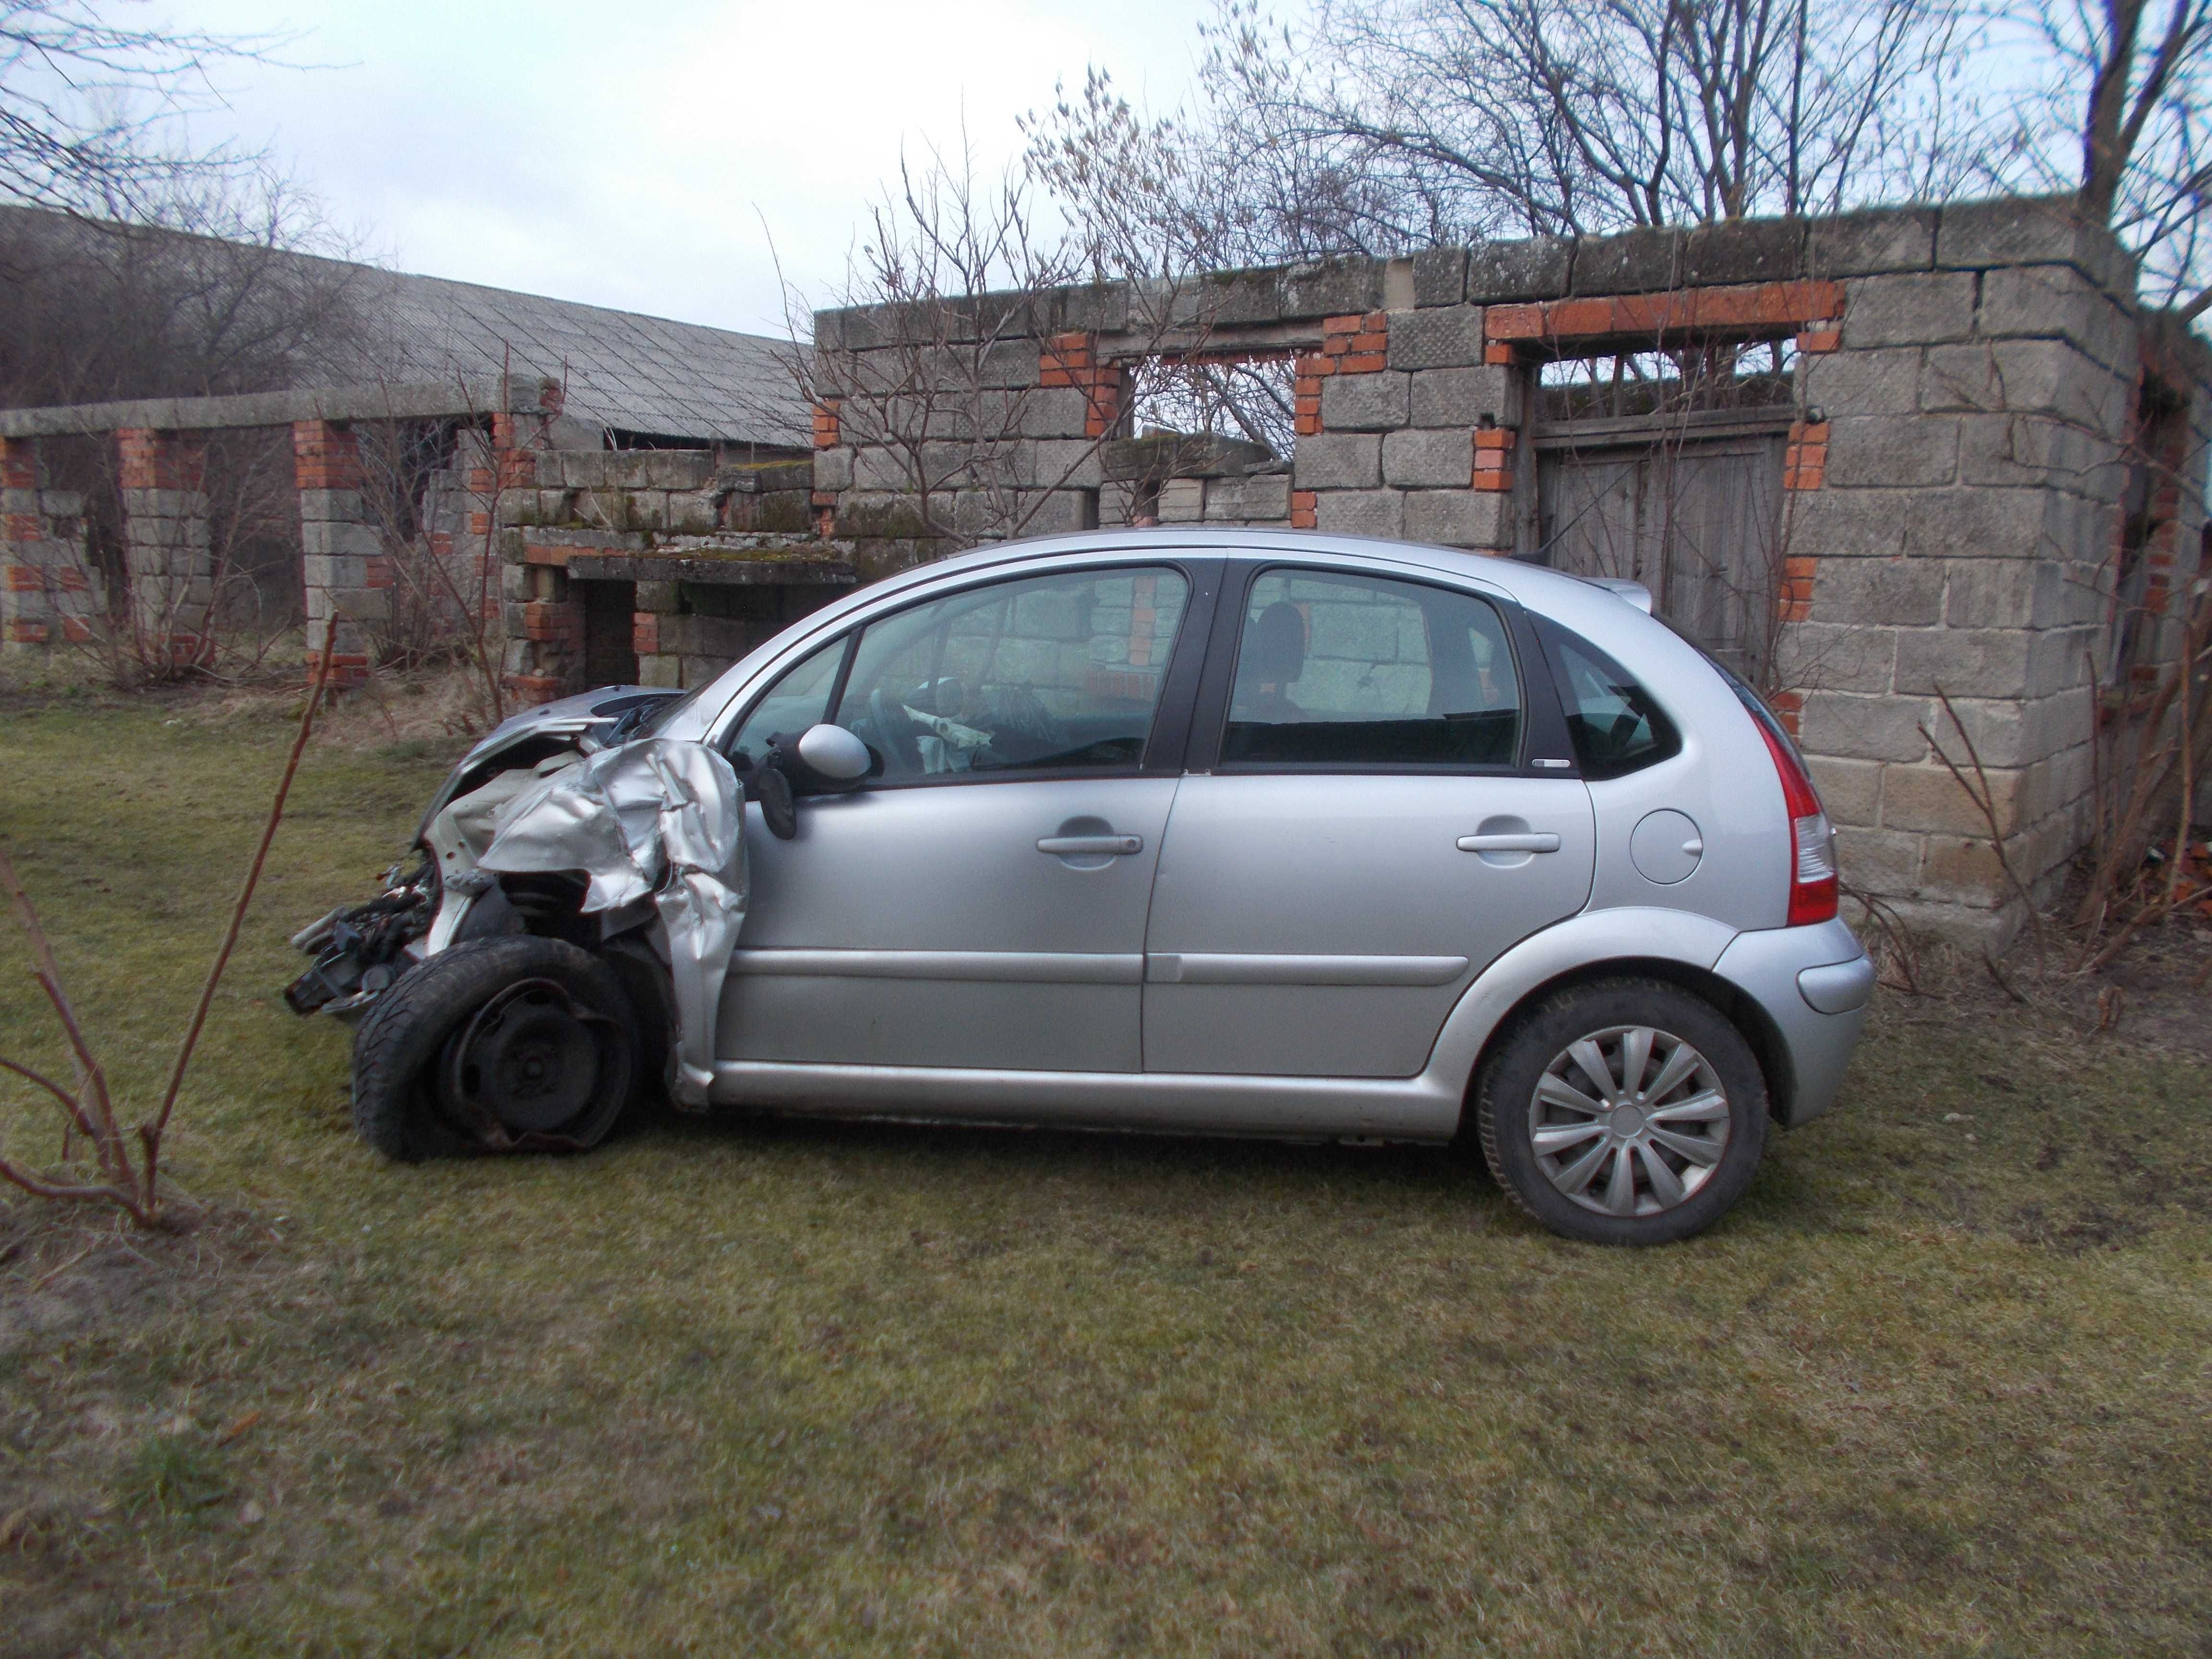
982 903
1371 836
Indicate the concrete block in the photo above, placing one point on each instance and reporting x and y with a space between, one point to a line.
1067 464
1844 383
1962 870
1536 269
1365 403
340 540
1362 512
1004 364
833 469
1891 592
1448 338
1439 275
1635 262
2026 376
1845 523
882 469
1966 662
2056 302
679 469
1460 518
2016 230
1835 657
1878 241
1118 501
1461 397
1181 500
1977 523
1439 459
1883 861
1261 498
338 506
1224 299
1851 727
1892 451
2021 732
1058 512
1849 789
1332 288
2000 593
1742 251
692 513
2031 450
361 605
1908 310
54 503
1049 412
1338 460
1928 799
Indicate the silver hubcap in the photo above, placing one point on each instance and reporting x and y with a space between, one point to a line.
1628 1121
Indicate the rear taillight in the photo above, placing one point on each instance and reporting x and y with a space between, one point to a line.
1812 842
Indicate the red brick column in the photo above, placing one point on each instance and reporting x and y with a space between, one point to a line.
345 571
167 544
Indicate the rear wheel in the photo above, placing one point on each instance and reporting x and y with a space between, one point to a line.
1625 1111
511 1044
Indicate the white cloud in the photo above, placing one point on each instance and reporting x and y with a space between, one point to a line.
629 155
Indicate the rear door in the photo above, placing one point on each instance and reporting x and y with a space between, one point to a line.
983 903
1367 824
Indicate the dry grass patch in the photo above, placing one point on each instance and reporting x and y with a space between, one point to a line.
1939 1386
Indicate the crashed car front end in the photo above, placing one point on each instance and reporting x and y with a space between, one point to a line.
574 821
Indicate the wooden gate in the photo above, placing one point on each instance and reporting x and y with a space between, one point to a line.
1692 510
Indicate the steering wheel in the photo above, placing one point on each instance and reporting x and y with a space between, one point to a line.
895 730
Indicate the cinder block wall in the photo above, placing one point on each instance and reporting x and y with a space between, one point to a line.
1967 381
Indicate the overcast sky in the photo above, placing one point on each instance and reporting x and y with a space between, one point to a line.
641 154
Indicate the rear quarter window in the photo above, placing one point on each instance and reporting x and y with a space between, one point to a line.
1617 726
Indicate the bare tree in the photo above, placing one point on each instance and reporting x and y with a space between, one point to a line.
89 108
2113 107
1372 126
959 290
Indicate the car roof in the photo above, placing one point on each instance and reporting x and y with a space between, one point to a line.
1531 584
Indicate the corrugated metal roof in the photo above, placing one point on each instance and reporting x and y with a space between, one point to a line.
634 372
622 369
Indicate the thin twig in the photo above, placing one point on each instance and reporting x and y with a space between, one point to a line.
150 1134
1984 800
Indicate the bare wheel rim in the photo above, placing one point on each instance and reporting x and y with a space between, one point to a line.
1628 1121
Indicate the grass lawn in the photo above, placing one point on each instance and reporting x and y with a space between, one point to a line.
1937 1386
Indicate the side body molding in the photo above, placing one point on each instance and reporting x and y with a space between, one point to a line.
1422 1108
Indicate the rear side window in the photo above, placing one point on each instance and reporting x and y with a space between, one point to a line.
1616 725
1340 670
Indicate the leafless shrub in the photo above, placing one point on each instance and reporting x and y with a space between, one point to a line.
127 1166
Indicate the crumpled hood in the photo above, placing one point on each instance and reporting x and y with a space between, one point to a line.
582 722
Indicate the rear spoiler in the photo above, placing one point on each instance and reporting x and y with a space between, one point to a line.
1635 594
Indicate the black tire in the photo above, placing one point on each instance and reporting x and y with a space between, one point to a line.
1507 1112
410 1097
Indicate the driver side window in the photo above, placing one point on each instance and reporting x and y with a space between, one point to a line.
1056 672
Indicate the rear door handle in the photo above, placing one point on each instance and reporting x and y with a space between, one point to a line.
1525 841
1078 846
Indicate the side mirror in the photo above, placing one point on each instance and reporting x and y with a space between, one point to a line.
833 755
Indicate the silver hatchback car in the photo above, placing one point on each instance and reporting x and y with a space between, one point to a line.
1228 832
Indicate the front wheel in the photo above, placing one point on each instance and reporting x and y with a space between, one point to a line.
1625 1111
511 1044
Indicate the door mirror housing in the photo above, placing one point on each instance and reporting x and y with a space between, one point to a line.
834 756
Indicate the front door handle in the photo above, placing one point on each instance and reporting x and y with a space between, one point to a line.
1525 841
1094 845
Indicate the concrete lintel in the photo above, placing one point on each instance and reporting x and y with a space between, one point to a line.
395 401
708 569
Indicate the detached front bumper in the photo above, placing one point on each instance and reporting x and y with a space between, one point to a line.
1813 984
